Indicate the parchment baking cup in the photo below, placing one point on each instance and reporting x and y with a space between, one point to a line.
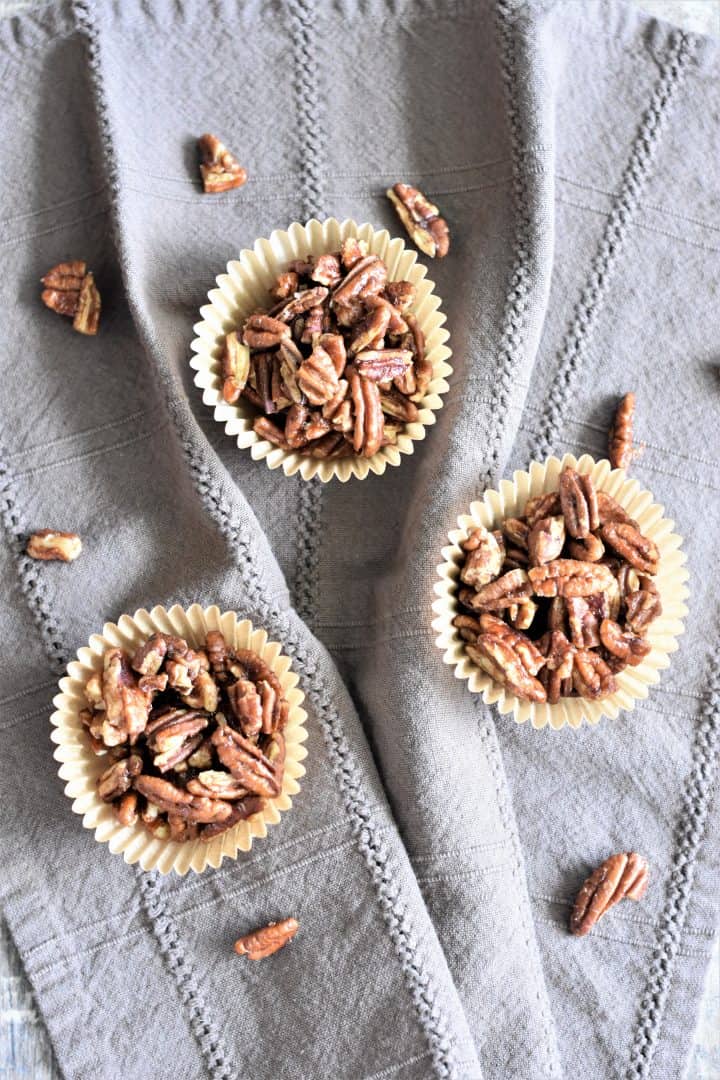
633 683
81 767
245 288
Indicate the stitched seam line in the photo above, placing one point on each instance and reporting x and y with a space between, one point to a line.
619 222
29 571
692 820
303 23
163 927
367 834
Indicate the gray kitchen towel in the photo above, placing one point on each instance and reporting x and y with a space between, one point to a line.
433 850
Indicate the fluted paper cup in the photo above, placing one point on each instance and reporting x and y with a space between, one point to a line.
633 683
244 288
80 767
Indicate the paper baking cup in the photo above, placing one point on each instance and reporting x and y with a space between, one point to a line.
634 682
81 767
244 288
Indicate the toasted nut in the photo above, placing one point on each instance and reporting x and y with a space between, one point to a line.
421 219
219 169
267 940
620 442
623 876
235 367
48 544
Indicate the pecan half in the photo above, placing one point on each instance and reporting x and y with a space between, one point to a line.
70 290
557 672
368 431
326 270
214 784
352 251
246 705
517 532
51 545
421 219
620 442
267 940
531 657
623 644
511 588
484 559
401 294
118 779
642 607
609 509
495 655
235 364
87 316
370 329
592 678
568 577
621 877
265 428
219 169
196 809
317 377
126 707
126 808
382 365
589 549
542 506
578 501
285 285
301 303
585 613
545 540
629 542
366 278
334 346
395 404
263 332
246 762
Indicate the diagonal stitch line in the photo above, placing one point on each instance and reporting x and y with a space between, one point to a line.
392 1069
620 220
368 837
49 209
84 434
27 692
89 454
303 21
53 229
644 226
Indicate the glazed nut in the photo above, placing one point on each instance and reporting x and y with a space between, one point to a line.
546 540
569 577
620 441
51 545
70 290
235 365
485 555
421 219
629 542
578 502
621 877
219 169
267 940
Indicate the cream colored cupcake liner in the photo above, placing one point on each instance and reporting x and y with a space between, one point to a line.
634 683
80 767
244 288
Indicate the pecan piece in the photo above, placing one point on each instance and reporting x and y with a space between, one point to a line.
382 365
219 169
301 303
621 877
629 542
370 329
87 316
589 549
326 270
484 558
126 808
235 366
265 428
517 532
352 251
118 779
609 509
421 219
511 588
468 627
578 501
267 940
334 346
568 577
401 294
49 544
395 404
214 784
70 290
246 762
592 678
620 442
263 332
545 540
126 707
246 705
557 672
415 340
239 811
165 796
585 613
531 657
642 606
66 277
542 506
497 657
368 431
366 278
317 377
623 644
285 285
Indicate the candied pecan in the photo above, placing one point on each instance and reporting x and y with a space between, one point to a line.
153 684
326 270
516 531
174 800
559 659
623 644
401 294
620 443
352 251
557 613
70 290
542 506
366 278
66 277
216 784
395 404
126 808
642 607
172 727
317 377
529 654
468 627
267 940
302 303
621 877
118 779
205 693
219 169
87 316
370 329
126 707
181 830
265 428
263 332
368 431
334 346
589 549
484 559
295 424
332 445
609 509
545 540
421 219
49 544
239 811
246 706
285 285
629 542
235 366
585 613
511 588
592 678
499 659
382 365
246 762
569 577
522 615
578 501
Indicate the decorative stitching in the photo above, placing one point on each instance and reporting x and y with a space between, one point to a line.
206 1033
26 693
97 452
30 573
55 228
392 1069
687 951
366 832
644 225
620 219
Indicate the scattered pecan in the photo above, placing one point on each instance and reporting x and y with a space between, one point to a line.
48 544
421 219
70 290
207 755
219 169
620 447
621 877
566 577
267 940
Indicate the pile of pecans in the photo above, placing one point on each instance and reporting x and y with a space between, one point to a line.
194 737
335 367
559 601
